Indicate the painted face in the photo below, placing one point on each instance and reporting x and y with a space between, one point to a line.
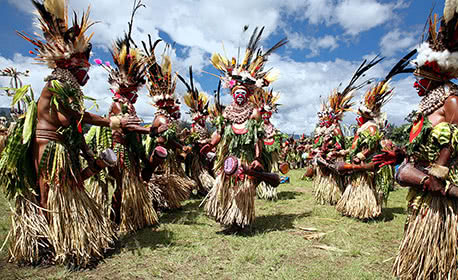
174 111
132 96
81 74
422 86
360 120
240 96
266 115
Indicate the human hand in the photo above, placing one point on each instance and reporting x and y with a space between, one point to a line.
385 158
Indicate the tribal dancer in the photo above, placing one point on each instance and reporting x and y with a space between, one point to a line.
316 152
231 200
172 186
368 186
266 103
331 187
200 165
429 249
68 224
3 132
131 203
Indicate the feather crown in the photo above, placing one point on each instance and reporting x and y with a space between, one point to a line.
380 94
161 82
438 56
196 101
339 102
60 46
249 72
130 62
266 100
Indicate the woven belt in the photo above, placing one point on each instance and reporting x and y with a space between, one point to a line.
48 135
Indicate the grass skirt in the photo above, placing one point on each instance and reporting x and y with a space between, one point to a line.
360 199
137 209
201 176
3 139
330 188
29 232
79 232
171 188
317 179
99 191
168 191
265 191
232 203
430 244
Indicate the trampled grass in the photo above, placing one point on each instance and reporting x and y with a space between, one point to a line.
293 238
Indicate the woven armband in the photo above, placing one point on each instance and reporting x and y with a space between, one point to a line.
115 123
361 156
438 171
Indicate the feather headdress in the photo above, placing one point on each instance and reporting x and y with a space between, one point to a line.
377 96
130 62
216 110
438 56
339 102
196 101
250 71
161 81
266 100
61 45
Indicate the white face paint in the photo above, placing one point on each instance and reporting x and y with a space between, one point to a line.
240 96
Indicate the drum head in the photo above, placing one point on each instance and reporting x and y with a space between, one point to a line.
231 165
284 168
160 151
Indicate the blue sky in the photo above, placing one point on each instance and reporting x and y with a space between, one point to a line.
328 39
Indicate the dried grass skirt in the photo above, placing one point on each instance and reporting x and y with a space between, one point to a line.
79 232
29 232
137 209
330 188
430 244
265 191
201 176
360 199
232 203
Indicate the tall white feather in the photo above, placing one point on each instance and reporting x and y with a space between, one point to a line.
449 9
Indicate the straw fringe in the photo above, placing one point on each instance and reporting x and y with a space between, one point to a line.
429 247
168 191
200 174
99 192
137 209
360 199
3 139
230 203
79 232
29 232
266 192
330 189
317 179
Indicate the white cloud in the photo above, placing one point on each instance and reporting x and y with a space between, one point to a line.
396 40
356 16
297 41
302 83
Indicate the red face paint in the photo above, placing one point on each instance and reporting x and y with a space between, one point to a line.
360 120
266 115
422 86
81 75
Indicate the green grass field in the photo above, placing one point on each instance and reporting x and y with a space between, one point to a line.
293 238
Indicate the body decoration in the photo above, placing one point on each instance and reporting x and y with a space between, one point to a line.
428 165
239 141
170 185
